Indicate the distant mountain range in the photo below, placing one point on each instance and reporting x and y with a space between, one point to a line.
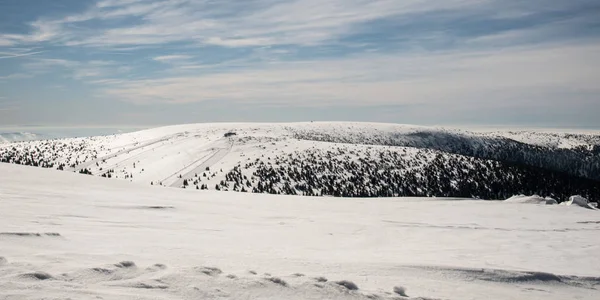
8 137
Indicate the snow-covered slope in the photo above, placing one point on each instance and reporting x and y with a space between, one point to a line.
338 159
63 235
534 199
556 140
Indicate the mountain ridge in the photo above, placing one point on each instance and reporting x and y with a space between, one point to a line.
348 159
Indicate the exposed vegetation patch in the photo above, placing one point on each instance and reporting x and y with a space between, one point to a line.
347 284
38 275
400 290
30 234
125 264
277 280
210 271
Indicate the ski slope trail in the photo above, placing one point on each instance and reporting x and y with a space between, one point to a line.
125 151
218 153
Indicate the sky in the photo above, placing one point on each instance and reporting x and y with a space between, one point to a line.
428 62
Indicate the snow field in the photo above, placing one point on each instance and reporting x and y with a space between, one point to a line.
435 248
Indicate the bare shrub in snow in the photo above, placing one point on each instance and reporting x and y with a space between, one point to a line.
38 275
347 284
277 280
210 271
400 290
125 264
156 267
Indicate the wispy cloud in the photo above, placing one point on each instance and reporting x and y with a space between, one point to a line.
249 23
4 55
457 77
452 53
46 64
130 24
5 42
41 31
9 106
15 76
116 3
75 69
171 58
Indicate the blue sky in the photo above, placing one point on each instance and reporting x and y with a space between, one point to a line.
152 62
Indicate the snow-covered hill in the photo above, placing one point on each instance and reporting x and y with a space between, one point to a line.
63 235
333 158
556 140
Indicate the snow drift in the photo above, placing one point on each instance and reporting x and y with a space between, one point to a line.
579 201
534 199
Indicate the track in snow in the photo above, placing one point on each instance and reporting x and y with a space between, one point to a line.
215 157
150 143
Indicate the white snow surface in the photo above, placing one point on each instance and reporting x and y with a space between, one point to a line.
578 201
63 235
534 199
555 140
